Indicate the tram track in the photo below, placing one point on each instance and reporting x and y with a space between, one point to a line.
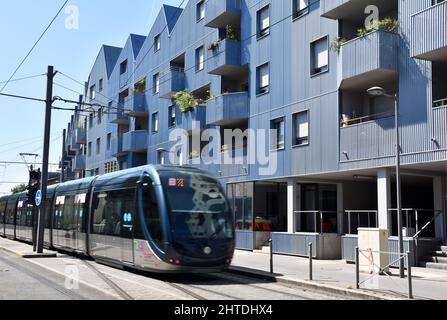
41 279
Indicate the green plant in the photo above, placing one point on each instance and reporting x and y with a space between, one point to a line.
213 46
336 44
232 33
185 100
386 24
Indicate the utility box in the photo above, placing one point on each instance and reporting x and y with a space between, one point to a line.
374 248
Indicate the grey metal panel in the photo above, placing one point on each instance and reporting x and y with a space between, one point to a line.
409 246
227 107
245 240
377 50
294 244
429 31
79 162
349 243
135 140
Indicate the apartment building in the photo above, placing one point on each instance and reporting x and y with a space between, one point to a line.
300 71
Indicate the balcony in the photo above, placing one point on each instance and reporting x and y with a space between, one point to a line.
117 147
119 117
351 9
221 13
367 139
227 109
74 144
80 135
136 105
370 60
197 115
79 163
172 82
225 58
429 33
135 141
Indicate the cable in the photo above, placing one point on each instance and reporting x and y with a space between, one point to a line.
20 141
21 97
25 78
34 46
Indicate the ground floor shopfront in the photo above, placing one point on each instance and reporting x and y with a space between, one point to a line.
327 210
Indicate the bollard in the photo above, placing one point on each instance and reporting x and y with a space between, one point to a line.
410 284
357 268
310 262
271 255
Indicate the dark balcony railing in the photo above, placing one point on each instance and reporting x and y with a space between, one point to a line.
221 13
171 82
226 108
79 162
135 141
429 33
225 58
136 104
368 59
80 136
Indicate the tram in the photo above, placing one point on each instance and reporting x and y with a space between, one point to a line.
161 219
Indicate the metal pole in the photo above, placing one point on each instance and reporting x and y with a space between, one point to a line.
271 255
64 134
410 284
310 262
357 268
398 189
45 157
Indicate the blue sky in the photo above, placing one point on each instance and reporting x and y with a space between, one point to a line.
70 51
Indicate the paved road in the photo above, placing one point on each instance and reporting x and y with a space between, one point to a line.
47 278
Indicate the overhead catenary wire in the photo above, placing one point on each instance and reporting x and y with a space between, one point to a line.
34 46
24 78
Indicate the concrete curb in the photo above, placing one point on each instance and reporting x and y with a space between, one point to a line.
348 293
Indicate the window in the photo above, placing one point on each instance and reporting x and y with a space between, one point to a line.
98 146
157 43
89 149
200 59
155 123
300 8
172 117
101 85
113 213
123 67
110 105
93 92
319 56
99 115
278 134
263 79
301 128
90 120
263 22
161 157
156 83
109 141
435 2
200 10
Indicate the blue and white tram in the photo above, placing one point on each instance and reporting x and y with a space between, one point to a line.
156 218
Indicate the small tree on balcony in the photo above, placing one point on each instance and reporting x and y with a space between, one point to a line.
185 101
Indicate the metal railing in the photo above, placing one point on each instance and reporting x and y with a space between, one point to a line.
321 221
359 214
372 117
412 220
440 103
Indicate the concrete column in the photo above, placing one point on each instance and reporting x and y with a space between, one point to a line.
340 208
439 193
292 193
384 197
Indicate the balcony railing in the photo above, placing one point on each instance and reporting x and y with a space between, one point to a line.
171 82
119 116
347 121
225 58
79 162
136 104
415 222
135 141
440 103
221 13
361 219
80 136
429 33
227 108
316 221
371 59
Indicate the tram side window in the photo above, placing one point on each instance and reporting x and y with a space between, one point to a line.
68 216
151 211
48 213
79 213
113 213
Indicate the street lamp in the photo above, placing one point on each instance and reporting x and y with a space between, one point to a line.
380 92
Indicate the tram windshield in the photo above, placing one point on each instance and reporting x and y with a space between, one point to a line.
198 207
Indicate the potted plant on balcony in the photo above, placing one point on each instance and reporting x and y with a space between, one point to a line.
232 33
386 24
185 101
337 43
213 46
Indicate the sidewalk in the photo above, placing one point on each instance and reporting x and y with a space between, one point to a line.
428 284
